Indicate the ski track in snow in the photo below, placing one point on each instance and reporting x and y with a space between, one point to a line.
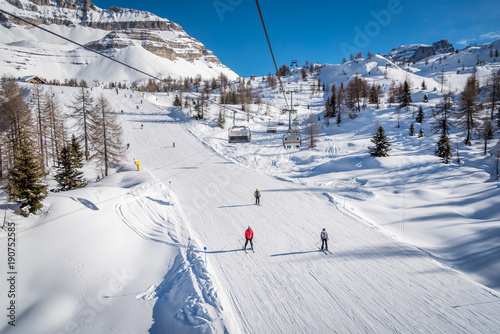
187 296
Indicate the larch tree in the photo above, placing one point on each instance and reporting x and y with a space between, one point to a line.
55 125
14 115
83 110
469 107
106 135
494 94
41 123
312 129
442 113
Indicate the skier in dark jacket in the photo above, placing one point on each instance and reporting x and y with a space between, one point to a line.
248 237
257 196
324 239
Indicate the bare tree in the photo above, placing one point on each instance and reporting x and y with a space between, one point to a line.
106 135
442 79
52 108
14 115
469 108
83 106
313 131
442 113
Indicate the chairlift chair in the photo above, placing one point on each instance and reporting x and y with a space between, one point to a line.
292 138
239 134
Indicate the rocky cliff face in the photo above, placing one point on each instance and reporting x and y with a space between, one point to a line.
127 27
417 52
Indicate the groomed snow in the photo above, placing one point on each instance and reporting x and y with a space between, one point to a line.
126 254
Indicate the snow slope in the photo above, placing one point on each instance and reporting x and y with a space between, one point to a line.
126 254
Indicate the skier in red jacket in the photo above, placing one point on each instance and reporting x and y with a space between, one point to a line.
248 237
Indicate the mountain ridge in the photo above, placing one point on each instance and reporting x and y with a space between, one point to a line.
161 43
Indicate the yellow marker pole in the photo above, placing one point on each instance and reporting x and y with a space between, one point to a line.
138 163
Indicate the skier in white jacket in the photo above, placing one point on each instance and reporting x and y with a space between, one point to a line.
324 239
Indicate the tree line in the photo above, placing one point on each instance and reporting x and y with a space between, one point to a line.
35 135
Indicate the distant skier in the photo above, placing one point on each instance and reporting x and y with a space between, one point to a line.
324 239
257 197
128 146
173 144
248 237
142 126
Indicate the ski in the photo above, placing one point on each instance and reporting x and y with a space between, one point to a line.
325 251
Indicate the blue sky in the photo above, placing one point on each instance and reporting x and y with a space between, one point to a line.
321 31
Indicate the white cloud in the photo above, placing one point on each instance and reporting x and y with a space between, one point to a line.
465 41
491 35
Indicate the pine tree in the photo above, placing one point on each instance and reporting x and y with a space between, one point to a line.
443 149
425 99
424 86
420 115
405 99
26 179
412 129
69 176
382 144
421 133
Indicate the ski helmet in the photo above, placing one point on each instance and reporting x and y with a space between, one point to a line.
249 228
324 229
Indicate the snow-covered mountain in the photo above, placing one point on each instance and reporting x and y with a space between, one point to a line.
417 52
141 39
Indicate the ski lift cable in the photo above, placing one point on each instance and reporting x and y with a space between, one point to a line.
271 49
229 107
80 45
110 58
